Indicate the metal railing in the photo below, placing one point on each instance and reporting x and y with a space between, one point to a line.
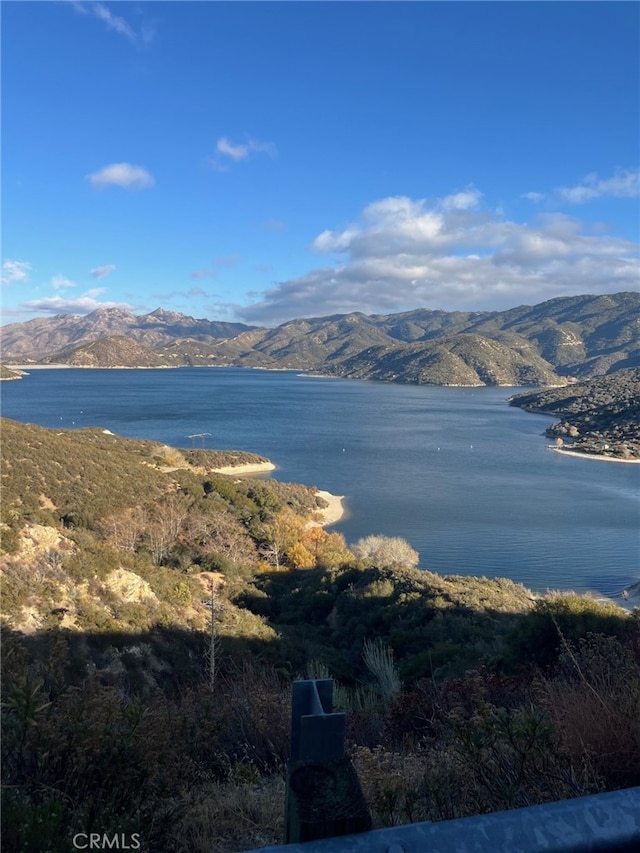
325 811
601 823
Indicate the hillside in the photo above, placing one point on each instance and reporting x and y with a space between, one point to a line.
546 344
600 416
464 359
573 336
154 614
77 478
115 351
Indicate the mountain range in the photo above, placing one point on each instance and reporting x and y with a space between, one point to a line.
42 337
550 343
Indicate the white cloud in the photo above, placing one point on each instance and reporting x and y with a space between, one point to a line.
84 304
462 200
101 272
59 282
15 271
332 241
114 22
403 253
230 151
534 197
122 175
78 6
625 183
236 152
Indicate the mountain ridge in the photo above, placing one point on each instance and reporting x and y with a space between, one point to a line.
552 343
37 339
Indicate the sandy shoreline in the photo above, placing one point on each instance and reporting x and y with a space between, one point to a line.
593 456
28 367
332 513
326 516
249 468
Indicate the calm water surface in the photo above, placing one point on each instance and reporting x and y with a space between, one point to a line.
468 480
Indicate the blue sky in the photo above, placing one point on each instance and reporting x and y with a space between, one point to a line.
261 161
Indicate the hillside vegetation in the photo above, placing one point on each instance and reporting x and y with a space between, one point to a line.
154 614
601 416
578 337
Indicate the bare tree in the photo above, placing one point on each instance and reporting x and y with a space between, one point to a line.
220 533
166 520
386 551
273 553
124 529
171 512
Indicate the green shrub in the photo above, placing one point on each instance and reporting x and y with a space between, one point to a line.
16 588
9 539
560 618
96 561
180 595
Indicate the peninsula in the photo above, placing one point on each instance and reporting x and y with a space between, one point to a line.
599 418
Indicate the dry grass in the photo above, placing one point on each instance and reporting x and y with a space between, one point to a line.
594 702
231 817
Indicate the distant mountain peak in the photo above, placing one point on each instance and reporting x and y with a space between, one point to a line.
163 314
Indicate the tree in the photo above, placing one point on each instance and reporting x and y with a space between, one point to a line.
281 536
124 529
314 541
300 557
386 552
329 549
166 519
272 552
335 552
222 534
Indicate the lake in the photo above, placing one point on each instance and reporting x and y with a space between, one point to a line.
468 480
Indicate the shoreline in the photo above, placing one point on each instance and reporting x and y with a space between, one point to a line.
329 514
247 468
598 456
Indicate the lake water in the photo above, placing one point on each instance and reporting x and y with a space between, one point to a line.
465 478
